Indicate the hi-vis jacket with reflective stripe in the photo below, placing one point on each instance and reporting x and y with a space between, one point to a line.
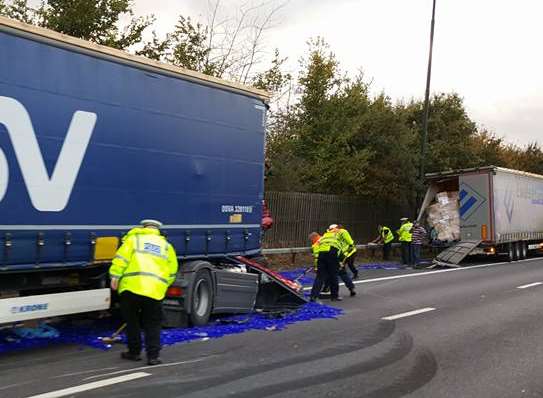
328 240
404 233
145 264
387 235
346 241
315 251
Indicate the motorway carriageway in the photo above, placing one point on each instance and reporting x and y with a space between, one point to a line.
469 332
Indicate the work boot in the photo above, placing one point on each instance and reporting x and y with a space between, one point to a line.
353 292
337 298
130 356
154 361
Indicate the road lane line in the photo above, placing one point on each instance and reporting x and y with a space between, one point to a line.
91 386
15 385
148 367
84 372
418 274
406 314
530 285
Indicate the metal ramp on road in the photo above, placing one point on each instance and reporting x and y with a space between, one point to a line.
452 256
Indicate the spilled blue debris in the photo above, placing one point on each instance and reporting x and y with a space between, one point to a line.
43 331
89 333
299 276
242 323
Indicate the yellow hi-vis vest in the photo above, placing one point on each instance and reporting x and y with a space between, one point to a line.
346 241
328 240
387 235
404 233
315 251
145 264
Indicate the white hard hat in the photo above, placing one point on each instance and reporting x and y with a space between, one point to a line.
332 226
404 219
151 223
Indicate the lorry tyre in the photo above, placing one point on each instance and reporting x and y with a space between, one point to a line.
518 251
202 298
510 252
524 250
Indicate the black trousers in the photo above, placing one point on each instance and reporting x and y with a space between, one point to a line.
327 271
342 273
350 263
141 311
407 253
344 276
386 251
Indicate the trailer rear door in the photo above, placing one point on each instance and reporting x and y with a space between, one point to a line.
455 254
475 207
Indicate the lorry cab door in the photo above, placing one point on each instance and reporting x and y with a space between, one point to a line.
475 207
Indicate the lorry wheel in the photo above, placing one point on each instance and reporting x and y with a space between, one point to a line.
518 251
510 252
202 298
524 250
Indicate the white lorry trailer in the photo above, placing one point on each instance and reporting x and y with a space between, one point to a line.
499 211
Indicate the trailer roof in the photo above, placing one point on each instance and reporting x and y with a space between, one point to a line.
519 172
453 173
64 41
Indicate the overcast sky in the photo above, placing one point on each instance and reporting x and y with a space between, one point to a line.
489 51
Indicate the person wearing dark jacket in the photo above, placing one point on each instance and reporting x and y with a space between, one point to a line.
418 238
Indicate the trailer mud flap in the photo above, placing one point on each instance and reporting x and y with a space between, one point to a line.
275 291
452 256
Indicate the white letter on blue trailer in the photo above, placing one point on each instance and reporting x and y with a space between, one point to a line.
4 175
46 194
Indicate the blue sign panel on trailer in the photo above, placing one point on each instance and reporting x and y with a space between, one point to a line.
470 201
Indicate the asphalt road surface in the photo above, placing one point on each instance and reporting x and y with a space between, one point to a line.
473 332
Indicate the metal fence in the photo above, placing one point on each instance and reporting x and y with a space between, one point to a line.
296 214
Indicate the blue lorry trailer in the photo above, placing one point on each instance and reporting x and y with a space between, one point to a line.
92 140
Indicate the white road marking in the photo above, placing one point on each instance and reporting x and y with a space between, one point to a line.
91 386
15 385
84 372
148 367
410 313
419 274
530 285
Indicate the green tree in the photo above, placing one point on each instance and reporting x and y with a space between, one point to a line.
155 49
392 142
314 140
274 79
490 150
18 10
317 82
96 21
529 159
450 132
190 47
